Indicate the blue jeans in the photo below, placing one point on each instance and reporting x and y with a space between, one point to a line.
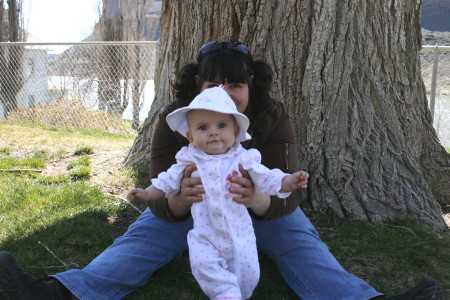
150 243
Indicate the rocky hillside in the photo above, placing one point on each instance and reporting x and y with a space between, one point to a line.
435 6
435 22
128 20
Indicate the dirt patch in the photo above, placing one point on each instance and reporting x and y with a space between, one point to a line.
104 164
106 168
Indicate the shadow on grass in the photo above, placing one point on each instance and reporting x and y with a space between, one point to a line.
74 242
393 256
69 243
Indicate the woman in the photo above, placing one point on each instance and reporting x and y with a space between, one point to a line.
282 231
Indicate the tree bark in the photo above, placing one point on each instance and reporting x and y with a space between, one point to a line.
349 73
11 58
109 89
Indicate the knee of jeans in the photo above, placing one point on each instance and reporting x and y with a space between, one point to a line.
154 230
291 239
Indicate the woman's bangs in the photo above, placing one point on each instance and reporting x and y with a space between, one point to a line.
225 65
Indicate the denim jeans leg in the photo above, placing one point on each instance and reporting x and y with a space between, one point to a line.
305 262
128 263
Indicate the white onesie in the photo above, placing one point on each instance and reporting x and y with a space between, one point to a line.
222 244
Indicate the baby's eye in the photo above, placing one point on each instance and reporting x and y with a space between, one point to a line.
203 127
222 125
211 85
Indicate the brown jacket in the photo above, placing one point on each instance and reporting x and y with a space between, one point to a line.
275 139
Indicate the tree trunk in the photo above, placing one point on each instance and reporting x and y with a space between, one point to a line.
135 63
11 57
138 86
109 89
349 73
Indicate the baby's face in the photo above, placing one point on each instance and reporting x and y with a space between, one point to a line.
211 131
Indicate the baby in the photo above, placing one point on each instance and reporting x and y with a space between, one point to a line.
222 244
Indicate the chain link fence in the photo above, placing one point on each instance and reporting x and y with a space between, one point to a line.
98 85
109 86
435 65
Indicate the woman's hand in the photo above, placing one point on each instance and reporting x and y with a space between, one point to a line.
248 194
191 190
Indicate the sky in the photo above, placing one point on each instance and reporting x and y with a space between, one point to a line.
60 20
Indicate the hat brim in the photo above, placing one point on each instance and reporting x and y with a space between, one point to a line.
177 121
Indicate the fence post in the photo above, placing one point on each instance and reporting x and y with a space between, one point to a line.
433 81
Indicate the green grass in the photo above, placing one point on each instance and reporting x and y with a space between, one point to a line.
390 256
80 168
70 218
32 136
76 221
84 161
80 173
11 163
84 150
5 151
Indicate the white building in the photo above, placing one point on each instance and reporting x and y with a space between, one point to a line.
35 77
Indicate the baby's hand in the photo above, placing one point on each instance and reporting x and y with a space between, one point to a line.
139 193
298 180
302 178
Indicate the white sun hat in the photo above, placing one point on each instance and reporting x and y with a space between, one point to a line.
213 99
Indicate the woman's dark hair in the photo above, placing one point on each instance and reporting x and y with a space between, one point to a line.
185 86
227 65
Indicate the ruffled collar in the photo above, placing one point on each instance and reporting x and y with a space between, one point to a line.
234 150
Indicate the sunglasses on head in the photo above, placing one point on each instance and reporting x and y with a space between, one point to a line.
219 45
